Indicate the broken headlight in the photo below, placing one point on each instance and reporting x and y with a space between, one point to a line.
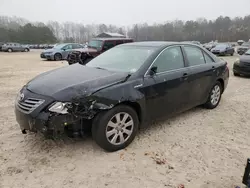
59 107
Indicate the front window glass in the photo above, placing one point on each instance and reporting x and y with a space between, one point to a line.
122 58
170 59
97 44
247 52
247 44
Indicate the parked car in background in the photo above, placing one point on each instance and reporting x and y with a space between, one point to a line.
1 44
240 42
242 65
122 90
95 47
223 49
15 47
243 48
60 51
209 45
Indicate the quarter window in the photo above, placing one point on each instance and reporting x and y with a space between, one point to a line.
194 56
208 59
169 59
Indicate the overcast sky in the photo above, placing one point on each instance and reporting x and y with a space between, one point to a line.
122 12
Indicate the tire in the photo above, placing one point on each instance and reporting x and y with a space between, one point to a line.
26 49
57 57
10 50
236 74
210 104
100 128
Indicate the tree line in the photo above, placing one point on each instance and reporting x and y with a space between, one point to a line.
224 29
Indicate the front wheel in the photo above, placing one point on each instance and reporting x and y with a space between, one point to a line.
214 96
10 50
57 57
26 49
115 129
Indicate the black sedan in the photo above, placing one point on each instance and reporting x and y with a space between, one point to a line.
122 90
223 49
242 65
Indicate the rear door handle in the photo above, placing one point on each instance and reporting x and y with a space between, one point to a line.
185 76
213 68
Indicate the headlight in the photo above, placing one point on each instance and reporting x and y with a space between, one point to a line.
59 107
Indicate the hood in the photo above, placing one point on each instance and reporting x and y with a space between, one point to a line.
219 48
245 58
72 81
90 50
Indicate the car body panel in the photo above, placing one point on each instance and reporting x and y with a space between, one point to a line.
82 55
15 47
223 49
242 66
92 90
64 50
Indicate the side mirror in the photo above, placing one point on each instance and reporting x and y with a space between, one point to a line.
153 71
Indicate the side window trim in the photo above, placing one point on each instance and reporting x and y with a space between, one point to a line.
204 53
188 64
184 61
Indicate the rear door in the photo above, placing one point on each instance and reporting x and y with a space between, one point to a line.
202 74
166 90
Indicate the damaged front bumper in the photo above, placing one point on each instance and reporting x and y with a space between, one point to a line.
32 114
45 122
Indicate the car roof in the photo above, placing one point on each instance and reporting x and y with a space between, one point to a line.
103 39
158 44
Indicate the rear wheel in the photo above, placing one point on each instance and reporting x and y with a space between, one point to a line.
10 50
57 57
214 96
26 49
115 129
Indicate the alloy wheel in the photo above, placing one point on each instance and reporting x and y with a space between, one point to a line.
215 95
119 128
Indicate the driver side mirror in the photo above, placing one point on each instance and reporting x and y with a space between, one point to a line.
153 71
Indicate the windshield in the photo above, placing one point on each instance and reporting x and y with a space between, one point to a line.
221 46
122 58
59 46
246 44
97 44
247 52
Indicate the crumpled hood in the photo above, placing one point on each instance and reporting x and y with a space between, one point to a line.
73 81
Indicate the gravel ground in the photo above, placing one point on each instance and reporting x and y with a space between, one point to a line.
199 148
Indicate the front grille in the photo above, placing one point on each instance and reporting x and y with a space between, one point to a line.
29 105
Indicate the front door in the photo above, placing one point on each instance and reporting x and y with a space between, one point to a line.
166 91
66 50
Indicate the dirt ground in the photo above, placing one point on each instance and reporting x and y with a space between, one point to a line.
200 148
